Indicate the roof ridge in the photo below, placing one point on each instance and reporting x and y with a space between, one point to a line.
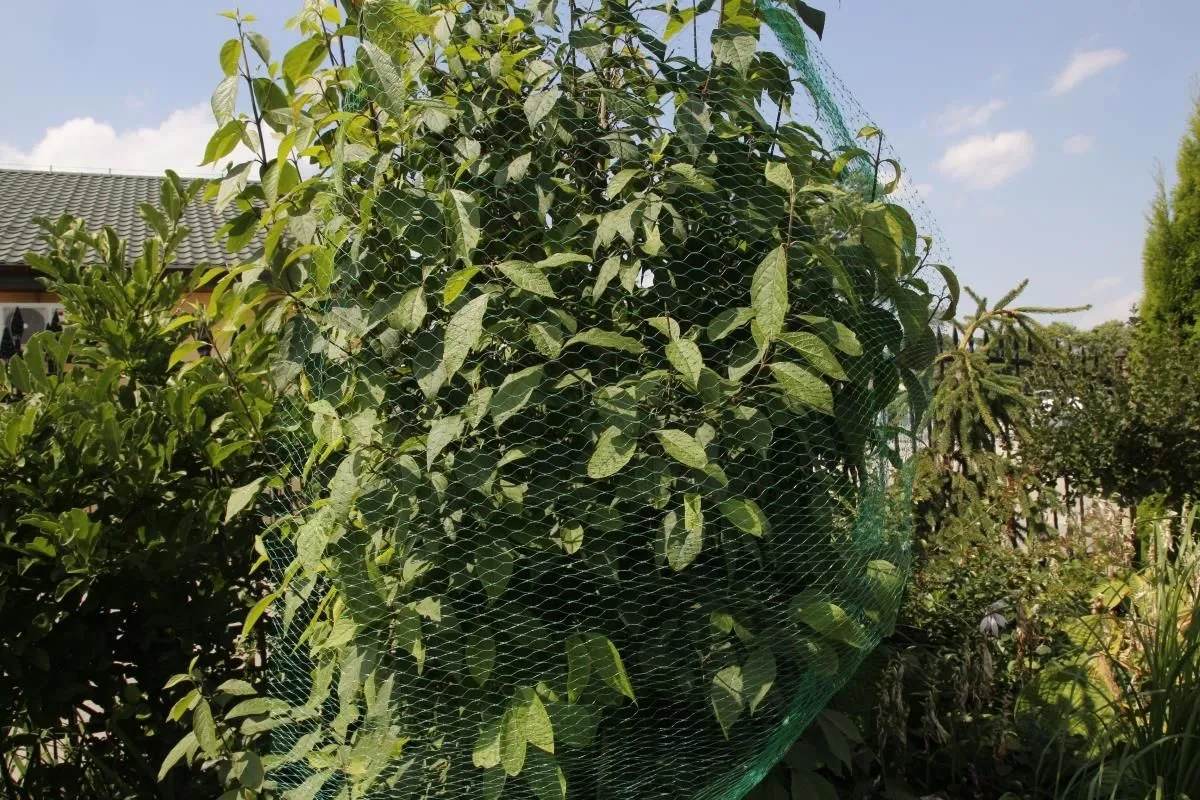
49 169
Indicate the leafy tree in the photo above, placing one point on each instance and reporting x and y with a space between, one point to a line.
549 341
1171 260
121 447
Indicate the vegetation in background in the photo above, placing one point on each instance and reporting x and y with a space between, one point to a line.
121 446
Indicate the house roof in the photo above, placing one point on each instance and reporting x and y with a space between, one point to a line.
101 199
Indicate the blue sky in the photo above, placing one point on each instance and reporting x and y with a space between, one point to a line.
1032 130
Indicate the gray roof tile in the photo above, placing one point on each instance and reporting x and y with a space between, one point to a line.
102 199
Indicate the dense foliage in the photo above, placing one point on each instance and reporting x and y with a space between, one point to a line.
119 449
547 345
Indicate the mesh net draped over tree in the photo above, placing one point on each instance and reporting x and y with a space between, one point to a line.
600 430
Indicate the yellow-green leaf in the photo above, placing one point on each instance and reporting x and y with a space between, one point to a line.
612 453
682 447
802 386
769 292
745 515
526 276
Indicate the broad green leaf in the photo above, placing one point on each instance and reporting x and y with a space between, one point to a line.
539 732
241 497
952 290
613 451
231 56
224 99
606 662
734 46
513 742
802 386
618 182
838 334
462 333
223 141
574 725
745 515
494 567
769 292
693 123
526 276
539 104
493 783
185 748
462 214
579 667
758 675
685 357
680 17
562 259
480 649
571 536
682 447
386 79
545 777
443 431
778 174
684 542
889 233
606 339
514 393
827 618
487 745
260 45
456 283
727 322
302 59
205 729
727 695
547 338
409 313
816 352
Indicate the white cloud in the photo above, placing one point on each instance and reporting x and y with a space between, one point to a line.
1077 145
1102 284
988 160
1117 309
84 143
956 119
1086 64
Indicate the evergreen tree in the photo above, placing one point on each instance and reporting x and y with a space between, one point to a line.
1171 259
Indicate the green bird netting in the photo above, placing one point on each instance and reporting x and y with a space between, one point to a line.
599 431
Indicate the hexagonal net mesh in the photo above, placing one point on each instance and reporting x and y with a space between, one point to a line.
600 428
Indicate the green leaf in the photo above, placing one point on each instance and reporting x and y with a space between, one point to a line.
513 743
727 696
802 386
579 667
526 276
546 338
462 334
606 662
545 777
745 515
493 783
836 333
758 675
952 289
384 77
463 218
727 322
769 292
606 339
812 17
571 536
494 567
889 233
302 59
562 259
539 732
574 725
260 45
618 182
205 729
693 123
818 612
682 447
185 748
409 313
224 99
684 542
539 104
514 393
734 46
685 357
816 352
613 451
458 281
231 54
223 142
486 753
241 497
443 431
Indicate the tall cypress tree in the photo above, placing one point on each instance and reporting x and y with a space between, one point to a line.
1171 258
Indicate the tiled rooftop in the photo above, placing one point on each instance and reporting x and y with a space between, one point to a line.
101 199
